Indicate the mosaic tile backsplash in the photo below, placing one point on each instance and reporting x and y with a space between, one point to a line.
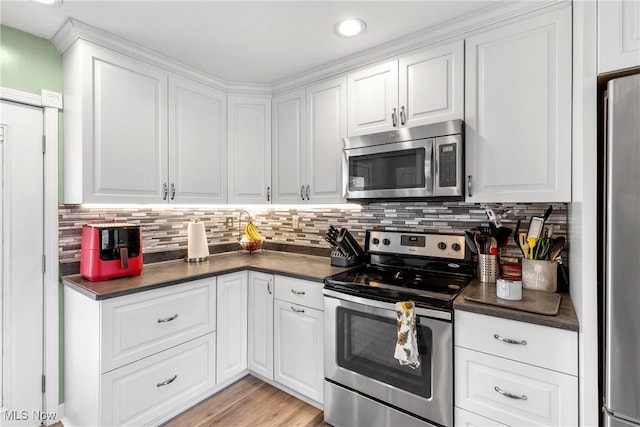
165 229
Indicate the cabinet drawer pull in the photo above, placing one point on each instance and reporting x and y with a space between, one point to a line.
167 382
394 120
293 291
168 319
509 340
509 395
296 310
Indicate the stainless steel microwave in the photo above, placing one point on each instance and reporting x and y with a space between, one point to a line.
423 162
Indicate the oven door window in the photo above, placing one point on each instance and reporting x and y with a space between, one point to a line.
388 170
366 343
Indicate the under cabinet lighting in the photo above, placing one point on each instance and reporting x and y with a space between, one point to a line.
49 2
350 27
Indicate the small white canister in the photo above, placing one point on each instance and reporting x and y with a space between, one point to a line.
509 289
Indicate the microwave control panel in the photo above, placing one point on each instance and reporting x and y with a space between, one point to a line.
448 172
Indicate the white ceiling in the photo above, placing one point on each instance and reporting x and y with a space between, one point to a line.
240 41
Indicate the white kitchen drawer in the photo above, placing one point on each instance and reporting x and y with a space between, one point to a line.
301 292
469 419
139 325
546 347
144 392
482 382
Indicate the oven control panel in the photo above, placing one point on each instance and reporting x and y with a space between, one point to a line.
419 244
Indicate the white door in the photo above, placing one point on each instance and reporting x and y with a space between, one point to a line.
21 260
197 143
327 125
373 99
288 140
261 324
298 348
432 85
231 325
249 149
518 111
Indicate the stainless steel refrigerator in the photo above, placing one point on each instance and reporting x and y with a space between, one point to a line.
621 225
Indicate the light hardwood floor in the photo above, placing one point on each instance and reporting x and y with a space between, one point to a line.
250 402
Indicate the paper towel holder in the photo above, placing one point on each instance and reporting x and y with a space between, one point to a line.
196 259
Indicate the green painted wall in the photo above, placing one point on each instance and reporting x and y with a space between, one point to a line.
30 63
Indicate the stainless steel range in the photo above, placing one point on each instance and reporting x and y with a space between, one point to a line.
364 384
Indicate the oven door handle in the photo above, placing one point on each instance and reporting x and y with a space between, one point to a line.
419 311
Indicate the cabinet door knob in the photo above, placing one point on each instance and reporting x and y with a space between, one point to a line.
509 340
394 120
469 186
165 191
509 395
403 116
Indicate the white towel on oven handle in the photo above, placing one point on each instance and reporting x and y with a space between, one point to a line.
407 343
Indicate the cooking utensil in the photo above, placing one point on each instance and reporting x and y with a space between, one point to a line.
541 250
502 236
516 238
531 240
481 242
522 243
536 224
471 243
556 247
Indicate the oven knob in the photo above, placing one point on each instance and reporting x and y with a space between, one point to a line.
376 241
455 247
386 242
442 246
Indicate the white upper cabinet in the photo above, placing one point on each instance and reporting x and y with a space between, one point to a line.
518 111
115 127
618 35
308 127
326 126
425 87
288 141
249 148
197 143
431 85
134 133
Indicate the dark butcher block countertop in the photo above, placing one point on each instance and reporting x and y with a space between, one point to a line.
565 319
309 267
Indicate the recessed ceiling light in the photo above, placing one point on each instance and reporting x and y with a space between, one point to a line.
350 27
49 2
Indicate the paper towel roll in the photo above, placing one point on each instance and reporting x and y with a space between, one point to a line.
197 246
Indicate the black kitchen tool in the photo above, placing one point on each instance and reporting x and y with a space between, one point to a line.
468 237
351 247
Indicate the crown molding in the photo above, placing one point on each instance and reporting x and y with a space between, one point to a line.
455 29
73 30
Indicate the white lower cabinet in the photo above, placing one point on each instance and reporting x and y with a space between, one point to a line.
141 358
231 348
260 351
507 373
299 337
138 392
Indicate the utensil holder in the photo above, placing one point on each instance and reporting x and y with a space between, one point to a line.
487 268
540 275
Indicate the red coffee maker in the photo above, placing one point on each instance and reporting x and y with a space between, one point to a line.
109 250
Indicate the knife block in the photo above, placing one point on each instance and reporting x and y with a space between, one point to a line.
339 260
